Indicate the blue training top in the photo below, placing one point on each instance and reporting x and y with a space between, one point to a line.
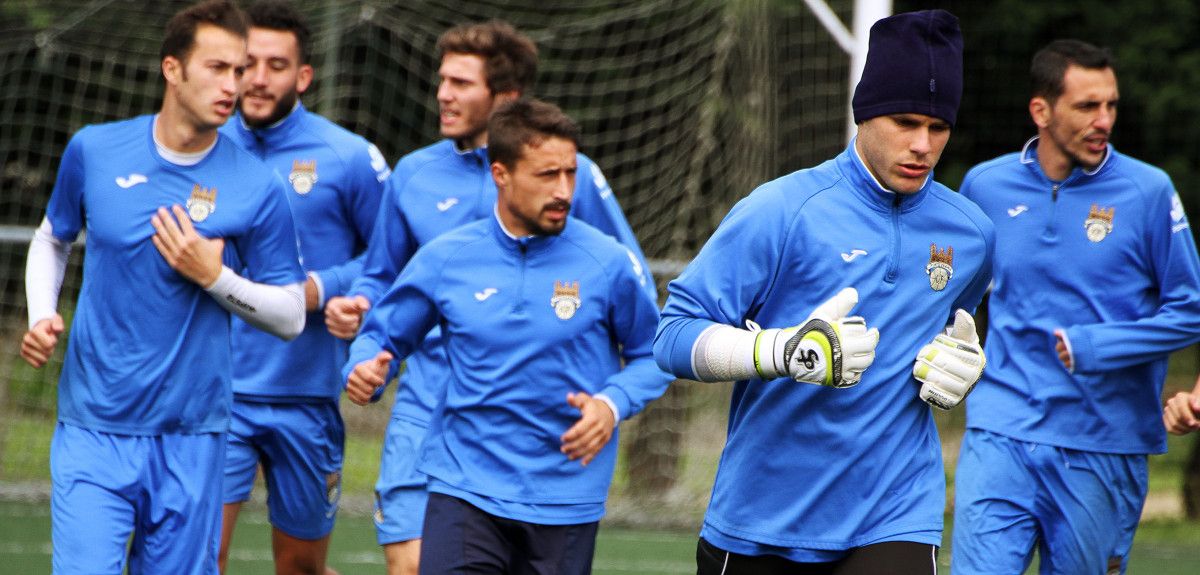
1108 256
334 181
149 351
434 190
525 321
810 471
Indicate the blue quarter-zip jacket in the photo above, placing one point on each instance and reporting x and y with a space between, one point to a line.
434 190
810 471
525 321
334 181
1127 294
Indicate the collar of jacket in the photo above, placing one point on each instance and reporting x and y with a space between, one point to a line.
527 245
1029 158
864 185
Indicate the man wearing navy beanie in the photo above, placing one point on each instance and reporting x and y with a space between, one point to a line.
838 298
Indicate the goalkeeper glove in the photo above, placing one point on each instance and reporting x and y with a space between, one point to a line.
828 349
950 366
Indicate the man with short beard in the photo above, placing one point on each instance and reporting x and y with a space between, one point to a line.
1097 282
285 410
547 334
434 190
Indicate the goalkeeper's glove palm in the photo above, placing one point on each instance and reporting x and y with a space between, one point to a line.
950 366
828 349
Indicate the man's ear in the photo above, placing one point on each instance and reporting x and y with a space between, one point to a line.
501 175
172 70
1041 111
304 78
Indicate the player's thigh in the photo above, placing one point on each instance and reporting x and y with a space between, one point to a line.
1090 510
94 486
179 516
302 463
904 557
461 538
400 492
994 524
552 549
241 453
712 560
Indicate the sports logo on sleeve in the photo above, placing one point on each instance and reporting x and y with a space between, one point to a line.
303 176
941 267
1099 223
378 163
601 183
202 203
566 299
1178 217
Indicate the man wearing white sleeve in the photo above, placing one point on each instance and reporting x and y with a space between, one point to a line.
143 402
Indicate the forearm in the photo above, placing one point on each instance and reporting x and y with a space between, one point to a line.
44 272
706 351
277 310
630 390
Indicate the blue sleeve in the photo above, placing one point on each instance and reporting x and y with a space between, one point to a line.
634 317
65 210
1176 324
269 250
595 203
970 297
360 201
399 320
728 279
391 245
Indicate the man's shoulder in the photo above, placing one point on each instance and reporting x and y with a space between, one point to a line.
109 133
1140 173
968 208
999 166
601 247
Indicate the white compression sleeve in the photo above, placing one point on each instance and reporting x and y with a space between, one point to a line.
44 271
724 353
277 310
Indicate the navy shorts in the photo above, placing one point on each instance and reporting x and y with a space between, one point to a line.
461 538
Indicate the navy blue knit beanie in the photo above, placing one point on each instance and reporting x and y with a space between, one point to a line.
914 66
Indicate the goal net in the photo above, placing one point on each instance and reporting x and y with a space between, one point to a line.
687 105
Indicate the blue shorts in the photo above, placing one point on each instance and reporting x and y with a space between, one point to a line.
401 492
299 446
165 490
462 538
1079 508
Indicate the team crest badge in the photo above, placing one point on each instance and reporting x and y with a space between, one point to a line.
941 267
303 176
1099 223
566 299
202 203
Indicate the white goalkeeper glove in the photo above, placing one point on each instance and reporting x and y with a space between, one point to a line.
827 349
950 366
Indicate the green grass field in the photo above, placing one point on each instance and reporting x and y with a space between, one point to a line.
1163 547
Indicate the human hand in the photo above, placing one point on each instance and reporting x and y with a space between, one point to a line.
194 256
592 432
368 375
828 349
39 342
1063 349
1181 415
343 315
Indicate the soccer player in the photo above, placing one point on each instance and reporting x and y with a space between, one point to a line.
844 476
1097 281
547 331
285 409
1181 415
145 389
432 191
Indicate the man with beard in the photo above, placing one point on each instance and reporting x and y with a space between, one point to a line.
432 191
547 331
285 409
143 400
1097 282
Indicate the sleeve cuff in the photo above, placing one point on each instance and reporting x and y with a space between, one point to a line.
611 405
320 283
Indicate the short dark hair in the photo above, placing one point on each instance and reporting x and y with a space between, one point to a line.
1050 65
510 57
526 121
180 35
282 16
